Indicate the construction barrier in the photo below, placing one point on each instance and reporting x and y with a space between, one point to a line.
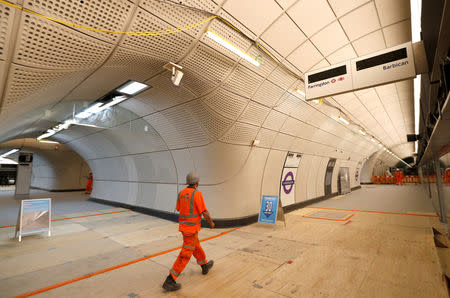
409 179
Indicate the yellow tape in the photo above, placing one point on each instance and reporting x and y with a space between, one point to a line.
143 33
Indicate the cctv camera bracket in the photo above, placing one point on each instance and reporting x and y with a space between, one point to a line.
172 67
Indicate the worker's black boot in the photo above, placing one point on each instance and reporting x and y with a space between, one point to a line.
207 266
170 284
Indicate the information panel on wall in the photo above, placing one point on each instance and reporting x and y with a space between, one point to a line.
288 175
34 217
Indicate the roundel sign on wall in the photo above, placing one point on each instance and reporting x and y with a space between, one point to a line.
288 182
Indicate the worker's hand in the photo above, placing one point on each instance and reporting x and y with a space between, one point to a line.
212 224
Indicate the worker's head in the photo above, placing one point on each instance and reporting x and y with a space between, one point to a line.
192 179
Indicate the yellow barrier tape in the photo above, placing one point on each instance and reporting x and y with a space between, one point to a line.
143 33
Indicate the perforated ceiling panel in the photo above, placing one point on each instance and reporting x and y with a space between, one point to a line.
50 45
178 15
240 133
207 63
213 123
102 14
168 47
226 103
268 94
254 113
24 82
6 18
243 81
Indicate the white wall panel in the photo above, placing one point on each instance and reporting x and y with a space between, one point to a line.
219 162
272 173
320 179
303 173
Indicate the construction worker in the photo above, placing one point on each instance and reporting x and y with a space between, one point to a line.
399 177
191 206
89 183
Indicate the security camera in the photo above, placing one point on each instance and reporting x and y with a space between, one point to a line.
177 74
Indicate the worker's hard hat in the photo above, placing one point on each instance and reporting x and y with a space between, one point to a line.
192 178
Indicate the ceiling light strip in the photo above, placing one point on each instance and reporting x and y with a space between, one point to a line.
231 47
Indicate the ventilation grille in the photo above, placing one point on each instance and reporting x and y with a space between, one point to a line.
226 103
167 47
241 133
208 64
268 94
213 123
6 17
45 44
254 113
243 82
100 14
178 15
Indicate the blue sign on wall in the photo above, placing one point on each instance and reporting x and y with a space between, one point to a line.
269 208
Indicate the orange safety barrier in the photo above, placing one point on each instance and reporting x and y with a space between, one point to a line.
383 179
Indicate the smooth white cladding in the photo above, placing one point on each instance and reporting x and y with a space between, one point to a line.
132 88
231 47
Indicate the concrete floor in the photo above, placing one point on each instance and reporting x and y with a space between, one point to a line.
369 255
62 203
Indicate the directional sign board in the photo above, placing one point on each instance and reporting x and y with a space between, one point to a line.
268 210
385 66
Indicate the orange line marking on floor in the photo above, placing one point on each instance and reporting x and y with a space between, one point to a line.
57 285
81 216
379 212
333 219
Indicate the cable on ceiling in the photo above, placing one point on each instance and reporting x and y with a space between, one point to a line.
138 33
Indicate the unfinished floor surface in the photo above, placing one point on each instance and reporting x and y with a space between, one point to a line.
127 254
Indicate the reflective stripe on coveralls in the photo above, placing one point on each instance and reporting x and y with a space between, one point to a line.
191 211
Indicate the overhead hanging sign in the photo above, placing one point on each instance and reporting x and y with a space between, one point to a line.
34 217
268 210
385 66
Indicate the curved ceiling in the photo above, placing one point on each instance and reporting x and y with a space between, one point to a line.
47 68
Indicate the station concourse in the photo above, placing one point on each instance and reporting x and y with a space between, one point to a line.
315 131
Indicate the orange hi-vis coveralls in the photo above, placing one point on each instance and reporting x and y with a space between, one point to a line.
190 204
89 184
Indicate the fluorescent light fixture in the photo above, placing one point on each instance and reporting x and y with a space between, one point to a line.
89 111
132 88
316 101
7 161
47 141
303 93
380 145
384 149
98 107
89 125
362 132
372 139
416 12
343 120
217 38
12 151
49 133
116 100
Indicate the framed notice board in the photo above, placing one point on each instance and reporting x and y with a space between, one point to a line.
34 217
